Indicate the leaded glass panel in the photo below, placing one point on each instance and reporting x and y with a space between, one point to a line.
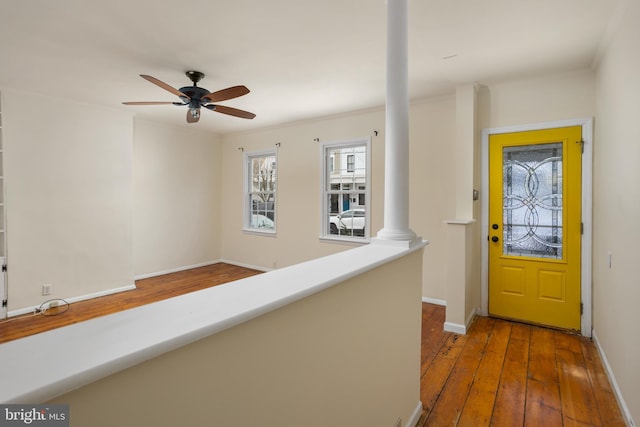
532 201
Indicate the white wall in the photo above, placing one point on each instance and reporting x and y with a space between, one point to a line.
432 193
177 197
617 206
298 189
299 185
545 98
432 185
187 202
69 202
95 198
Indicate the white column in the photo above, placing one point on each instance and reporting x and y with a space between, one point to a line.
396 185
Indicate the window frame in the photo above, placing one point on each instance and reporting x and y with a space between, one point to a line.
328 164
248 192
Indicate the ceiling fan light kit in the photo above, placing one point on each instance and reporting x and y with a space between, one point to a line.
196 97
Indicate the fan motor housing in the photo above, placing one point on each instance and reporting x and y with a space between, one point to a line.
195 93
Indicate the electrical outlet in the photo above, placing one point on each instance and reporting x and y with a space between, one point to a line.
47 289
53 303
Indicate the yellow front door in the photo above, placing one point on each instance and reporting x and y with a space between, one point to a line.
535 226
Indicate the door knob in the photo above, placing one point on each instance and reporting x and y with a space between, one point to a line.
495 239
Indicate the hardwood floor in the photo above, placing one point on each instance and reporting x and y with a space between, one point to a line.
509 374
147 291
499 374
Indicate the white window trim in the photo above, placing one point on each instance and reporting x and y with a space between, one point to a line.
245 194
324 166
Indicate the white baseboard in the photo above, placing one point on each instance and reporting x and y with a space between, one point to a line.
240 264
202 264
616 389
175 270
455 328
458 328
415 417
434 301
28 310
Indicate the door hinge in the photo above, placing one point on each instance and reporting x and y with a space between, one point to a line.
4 267
581 309
4 303
582 228
581 142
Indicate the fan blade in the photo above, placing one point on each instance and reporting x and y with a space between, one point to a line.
148 103
224 94
164 86
191 117
230 111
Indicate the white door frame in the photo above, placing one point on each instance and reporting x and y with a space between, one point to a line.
4 289
587 212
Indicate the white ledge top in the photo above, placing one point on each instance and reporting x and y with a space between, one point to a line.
459 221
40 367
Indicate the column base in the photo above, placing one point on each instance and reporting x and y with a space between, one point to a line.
406 238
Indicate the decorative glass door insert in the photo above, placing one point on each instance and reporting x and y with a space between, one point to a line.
532 201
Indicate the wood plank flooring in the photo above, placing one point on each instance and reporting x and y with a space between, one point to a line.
147 291
499 374
509 374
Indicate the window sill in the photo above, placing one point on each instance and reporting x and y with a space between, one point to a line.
346 240
259 232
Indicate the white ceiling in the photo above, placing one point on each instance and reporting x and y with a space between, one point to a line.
300 58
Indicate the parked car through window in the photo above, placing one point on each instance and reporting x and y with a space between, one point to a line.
349 223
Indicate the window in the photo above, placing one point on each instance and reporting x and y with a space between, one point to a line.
346 190
351 162
260 198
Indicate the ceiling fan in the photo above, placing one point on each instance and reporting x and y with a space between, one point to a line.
196 97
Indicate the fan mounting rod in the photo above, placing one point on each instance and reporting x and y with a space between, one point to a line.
195 76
